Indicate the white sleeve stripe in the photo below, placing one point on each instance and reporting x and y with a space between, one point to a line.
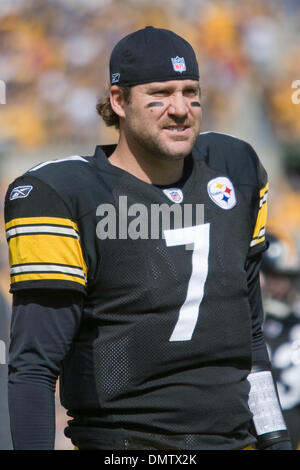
51 268
255 240
263 199
72 158
43 229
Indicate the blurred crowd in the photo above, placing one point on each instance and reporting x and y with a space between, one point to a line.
54 61
54 58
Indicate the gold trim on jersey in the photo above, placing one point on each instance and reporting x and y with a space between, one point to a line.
46 276
259 234
40 221
42 248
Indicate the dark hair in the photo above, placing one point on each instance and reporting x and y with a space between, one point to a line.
105 110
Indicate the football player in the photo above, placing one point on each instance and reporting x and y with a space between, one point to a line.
5 314
281 273
135 275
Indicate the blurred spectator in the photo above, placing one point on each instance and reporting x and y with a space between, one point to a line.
5 436
284 214
280 281
53 55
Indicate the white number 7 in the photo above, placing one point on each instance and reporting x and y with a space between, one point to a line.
189 311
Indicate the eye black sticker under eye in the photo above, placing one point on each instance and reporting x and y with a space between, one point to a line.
153 104
196 104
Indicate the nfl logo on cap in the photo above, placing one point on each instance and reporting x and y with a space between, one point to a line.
178 64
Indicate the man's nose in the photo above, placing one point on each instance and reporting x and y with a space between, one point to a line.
178 105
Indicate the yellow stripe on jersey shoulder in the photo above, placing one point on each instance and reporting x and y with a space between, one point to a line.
261 220
41 221
263 190
46 276
54 249
45 248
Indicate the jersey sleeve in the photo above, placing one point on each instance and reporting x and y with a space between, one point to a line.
43 239
260 210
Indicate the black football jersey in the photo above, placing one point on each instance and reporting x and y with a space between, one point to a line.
5 314
281 330
164 343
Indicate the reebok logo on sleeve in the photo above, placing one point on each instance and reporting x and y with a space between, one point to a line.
20 192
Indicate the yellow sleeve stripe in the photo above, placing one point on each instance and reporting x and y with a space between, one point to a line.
257 240
41 221
261 220
46 276
260 226
263 194
45 248
263 190
42 229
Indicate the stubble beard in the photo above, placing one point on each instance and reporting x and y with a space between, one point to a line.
144 144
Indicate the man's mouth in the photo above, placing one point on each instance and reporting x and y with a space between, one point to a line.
177 129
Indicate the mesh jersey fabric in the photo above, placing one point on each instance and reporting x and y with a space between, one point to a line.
122 368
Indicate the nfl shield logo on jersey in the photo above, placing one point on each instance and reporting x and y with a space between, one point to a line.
174 194
178 64
221 192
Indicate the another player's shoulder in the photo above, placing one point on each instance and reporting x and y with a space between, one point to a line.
230 155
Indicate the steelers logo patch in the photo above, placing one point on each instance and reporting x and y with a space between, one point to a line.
221 192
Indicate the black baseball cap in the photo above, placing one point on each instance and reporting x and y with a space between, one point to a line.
152 55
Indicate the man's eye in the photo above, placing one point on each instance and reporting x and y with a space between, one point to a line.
191 92
160 93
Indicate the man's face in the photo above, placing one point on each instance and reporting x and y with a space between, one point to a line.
278 286
162 119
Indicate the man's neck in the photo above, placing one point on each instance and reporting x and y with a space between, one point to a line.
146 168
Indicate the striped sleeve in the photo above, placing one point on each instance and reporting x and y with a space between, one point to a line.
258 241
43 239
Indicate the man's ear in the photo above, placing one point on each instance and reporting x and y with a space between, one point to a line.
117 100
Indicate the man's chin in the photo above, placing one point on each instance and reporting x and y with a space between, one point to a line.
178 150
